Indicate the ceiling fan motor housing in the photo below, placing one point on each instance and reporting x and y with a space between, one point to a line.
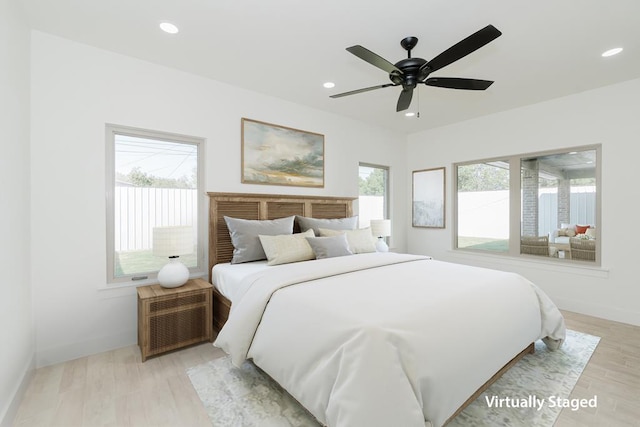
410 68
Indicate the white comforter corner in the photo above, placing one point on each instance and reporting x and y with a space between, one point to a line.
354 356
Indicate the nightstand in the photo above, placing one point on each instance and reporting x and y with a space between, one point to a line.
172 318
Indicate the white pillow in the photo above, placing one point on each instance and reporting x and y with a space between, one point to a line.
287 248
360 241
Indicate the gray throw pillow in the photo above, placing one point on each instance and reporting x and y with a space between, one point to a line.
329 247
315 224
244 236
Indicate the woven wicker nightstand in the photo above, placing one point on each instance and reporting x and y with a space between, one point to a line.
173 318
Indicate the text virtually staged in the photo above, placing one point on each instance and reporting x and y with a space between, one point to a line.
533 401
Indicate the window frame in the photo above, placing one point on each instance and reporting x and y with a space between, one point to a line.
111 130
386 202
515 199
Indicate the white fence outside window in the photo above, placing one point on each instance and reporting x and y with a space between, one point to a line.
139 209
488 211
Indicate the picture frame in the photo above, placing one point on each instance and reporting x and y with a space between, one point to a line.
428 199
280 155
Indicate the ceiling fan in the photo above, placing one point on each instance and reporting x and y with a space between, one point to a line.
411 72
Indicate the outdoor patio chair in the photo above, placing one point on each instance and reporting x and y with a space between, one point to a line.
534 245
583 249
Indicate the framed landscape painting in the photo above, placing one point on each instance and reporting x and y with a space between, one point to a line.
429 198
278 155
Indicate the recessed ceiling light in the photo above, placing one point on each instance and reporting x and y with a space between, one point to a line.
410 114
612 52
329 85
168 27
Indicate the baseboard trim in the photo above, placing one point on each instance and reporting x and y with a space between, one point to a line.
598 310
60 354
12 409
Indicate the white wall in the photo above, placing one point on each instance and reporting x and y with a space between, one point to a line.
16 320
76 89
607 116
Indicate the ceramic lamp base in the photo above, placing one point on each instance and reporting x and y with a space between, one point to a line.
381 245
174 274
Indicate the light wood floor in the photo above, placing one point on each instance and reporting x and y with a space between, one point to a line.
613 374
116 389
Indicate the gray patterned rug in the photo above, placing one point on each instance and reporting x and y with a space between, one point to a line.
249 398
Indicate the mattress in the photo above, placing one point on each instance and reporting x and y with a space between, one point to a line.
228 278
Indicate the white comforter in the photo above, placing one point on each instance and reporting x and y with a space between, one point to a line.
385 339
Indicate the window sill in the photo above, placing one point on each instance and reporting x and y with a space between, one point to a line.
118 289
567 266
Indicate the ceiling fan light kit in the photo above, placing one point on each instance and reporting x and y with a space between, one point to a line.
410 72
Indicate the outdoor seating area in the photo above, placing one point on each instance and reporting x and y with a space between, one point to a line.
568 231
577 248
568 237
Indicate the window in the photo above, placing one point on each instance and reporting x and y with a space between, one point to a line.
483 206
154 180
373 200
541 204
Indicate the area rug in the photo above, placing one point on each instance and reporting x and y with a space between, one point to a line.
532 393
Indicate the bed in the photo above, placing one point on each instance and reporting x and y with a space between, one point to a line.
373 339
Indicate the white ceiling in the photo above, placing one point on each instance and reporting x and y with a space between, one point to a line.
288 48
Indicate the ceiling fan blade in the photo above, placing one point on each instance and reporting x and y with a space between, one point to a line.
373 59
404 101
459 50
458 83
366 89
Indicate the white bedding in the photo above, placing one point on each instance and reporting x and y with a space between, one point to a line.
228 278
354 356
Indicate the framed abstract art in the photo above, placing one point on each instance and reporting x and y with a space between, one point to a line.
279 155
428 199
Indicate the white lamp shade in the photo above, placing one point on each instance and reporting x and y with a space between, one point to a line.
172 241
381 227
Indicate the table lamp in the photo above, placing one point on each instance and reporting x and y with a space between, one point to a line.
381 228
172 242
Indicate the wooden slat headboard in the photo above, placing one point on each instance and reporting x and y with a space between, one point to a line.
264 206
